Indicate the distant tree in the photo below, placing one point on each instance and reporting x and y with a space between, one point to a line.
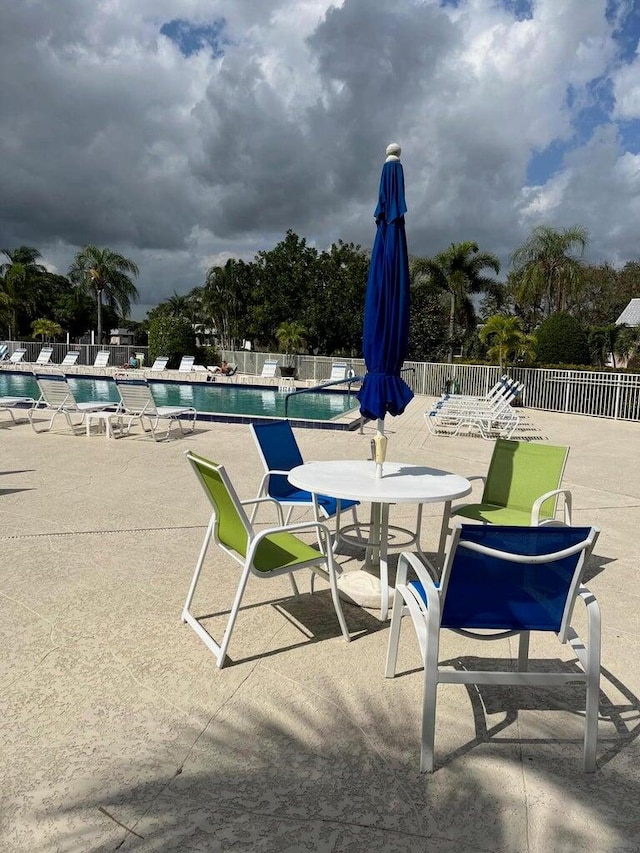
504 338
171 336
225 301
46 329
291 336
334 304
562 339
459 271
428 322
107 274
178 305
283 279
20 277
546 270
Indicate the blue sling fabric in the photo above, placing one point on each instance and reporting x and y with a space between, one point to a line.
489 592
281 453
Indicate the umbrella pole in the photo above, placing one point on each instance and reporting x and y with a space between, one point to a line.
380 443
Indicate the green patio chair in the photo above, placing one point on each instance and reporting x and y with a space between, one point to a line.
522 487
268 554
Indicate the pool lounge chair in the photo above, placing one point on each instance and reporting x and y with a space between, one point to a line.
159 364
16 356
56 396
70 359
44 356
137 403
269 370
102 358
8 404
186 364
339 371
267 554
3 351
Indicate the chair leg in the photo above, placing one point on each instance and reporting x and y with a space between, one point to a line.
198 569
294 585
333 583
224 645
394 635
523 651
428 720
593 687
444 532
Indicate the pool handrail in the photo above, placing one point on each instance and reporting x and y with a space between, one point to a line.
349 380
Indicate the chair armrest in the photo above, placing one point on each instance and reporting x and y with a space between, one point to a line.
258 500
320 527
535 509
477 477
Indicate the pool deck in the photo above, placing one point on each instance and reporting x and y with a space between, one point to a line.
119 733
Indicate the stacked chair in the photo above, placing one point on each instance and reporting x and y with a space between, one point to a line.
491 415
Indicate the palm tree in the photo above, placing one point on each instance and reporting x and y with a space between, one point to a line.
458 271
547 271
108 274
46 328
223 300
291 336
505 338
178 305
18 283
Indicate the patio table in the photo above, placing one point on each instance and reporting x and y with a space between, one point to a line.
401 482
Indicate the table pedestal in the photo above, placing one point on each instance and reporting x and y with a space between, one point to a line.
369 586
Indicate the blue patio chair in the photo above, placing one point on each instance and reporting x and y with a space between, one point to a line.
280 453
510 580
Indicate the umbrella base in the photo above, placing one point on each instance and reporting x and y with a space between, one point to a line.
363 588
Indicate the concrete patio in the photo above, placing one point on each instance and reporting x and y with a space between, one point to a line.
119 734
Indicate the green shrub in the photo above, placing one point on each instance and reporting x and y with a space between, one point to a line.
173 337
562 339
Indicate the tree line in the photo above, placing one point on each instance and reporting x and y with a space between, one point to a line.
303 299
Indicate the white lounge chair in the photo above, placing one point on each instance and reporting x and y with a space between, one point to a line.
56 395
338 371
159 364
137 403
102 358
16 356
8 404
44 356
186 364
269 370
70 359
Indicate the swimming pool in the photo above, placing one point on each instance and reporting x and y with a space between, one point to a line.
208 398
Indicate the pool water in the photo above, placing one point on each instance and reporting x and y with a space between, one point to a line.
218 397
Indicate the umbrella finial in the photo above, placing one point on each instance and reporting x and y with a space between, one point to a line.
393 152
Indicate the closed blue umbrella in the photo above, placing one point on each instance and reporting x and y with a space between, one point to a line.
385 338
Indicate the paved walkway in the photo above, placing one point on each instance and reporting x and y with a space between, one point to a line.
118 733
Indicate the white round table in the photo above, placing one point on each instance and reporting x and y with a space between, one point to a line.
401 482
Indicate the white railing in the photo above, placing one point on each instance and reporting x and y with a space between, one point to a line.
119 354
603 394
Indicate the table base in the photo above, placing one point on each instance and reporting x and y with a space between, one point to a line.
363 588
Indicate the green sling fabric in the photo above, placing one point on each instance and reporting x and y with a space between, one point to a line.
276 551
519 473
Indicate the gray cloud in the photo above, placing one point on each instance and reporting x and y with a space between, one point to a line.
110 135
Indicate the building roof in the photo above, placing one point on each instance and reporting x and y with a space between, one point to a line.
631 314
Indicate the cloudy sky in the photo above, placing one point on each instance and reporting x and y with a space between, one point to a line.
185 132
